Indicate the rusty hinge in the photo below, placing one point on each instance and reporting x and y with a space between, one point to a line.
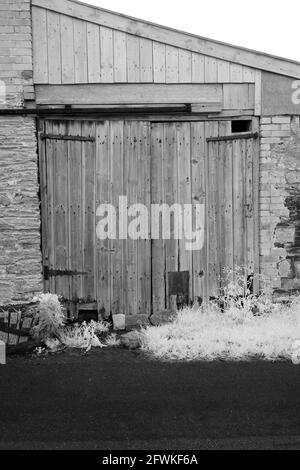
67 137
247 136
60 272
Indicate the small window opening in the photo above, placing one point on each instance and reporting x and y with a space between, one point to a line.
240 126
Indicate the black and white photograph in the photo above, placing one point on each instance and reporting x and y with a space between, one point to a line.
149 228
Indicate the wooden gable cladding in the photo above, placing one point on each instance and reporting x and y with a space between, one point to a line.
178 39
69 50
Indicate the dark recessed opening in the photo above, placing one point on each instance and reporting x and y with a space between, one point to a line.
240 126
87 315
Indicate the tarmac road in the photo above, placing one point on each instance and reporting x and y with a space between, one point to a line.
119 399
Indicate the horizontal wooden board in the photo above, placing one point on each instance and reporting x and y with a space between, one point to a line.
172 37
106 94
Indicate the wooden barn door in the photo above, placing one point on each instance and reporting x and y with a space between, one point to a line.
123 169
84 164
68 176
232 212
204 163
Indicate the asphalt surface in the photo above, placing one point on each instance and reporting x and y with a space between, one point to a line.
118 399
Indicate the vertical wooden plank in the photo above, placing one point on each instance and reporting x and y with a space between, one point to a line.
228 209
248 75
213 268
131 176
222 182
50 203
211 70
198 150
249 206
103 193
258 81
198 68
93 53
89 216
44 197
133 58
120 57
238 201
67 49
107 55
236 73
185 66
185 193
171 195
144 197
54 48
172 64
146 61
80 51
60 206
40 45
117 190
157 194
223 71
159 62
256 225
76 186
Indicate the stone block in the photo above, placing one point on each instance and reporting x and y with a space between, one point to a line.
285 269
131 340
290 284
285 235
134 321
119 322
297 268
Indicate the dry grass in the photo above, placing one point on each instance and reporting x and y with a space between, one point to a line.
245 328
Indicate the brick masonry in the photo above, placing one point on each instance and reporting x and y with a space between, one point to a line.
16 69
20 255
280 202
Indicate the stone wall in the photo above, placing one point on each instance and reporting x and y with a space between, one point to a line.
16 70
20 255
280 203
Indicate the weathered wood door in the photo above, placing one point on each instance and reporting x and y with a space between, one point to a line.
87 163
84 164
204 163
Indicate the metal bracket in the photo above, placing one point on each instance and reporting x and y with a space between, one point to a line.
67 137
58 272
224 138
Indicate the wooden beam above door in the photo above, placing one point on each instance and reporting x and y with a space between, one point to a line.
116 94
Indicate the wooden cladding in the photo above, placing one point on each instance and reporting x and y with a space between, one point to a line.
172 37
69 50
149 163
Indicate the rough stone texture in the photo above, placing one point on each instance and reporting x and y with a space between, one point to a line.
132 321
16 69
20 255
280 202
131 340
